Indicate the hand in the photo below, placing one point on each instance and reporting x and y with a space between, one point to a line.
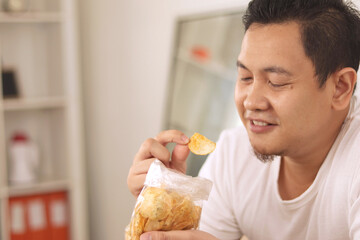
154 148
177 235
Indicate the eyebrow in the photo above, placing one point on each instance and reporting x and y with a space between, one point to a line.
240 65
271 69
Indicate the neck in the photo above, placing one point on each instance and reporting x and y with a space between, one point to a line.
298 172
295 177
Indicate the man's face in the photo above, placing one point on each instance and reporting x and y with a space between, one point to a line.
277 93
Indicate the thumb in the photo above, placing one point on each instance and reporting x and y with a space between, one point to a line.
178 157
177 235
154 236
170 235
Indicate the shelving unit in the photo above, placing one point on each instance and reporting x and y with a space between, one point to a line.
30 17
39 188
34 104
40 44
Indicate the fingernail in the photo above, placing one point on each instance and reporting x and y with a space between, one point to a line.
185 138
145 236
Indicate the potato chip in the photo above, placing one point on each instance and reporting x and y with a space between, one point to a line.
137 226
168 222
200 145
182 213
157 204
127 233
196 216
153 225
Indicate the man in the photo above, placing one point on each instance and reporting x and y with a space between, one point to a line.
296 76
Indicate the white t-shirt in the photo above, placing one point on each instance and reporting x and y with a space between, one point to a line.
245 198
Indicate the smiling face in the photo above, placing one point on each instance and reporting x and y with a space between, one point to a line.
277 93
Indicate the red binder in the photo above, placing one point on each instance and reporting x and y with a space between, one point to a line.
17 215
38 225
39 217
58 215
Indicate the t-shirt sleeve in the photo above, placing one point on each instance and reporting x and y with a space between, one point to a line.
354 214
218 217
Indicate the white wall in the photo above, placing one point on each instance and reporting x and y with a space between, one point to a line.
126 54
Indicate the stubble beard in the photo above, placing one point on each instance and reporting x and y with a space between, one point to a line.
265 158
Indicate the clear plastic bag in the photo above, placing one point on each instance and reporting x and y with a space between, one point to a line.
168 201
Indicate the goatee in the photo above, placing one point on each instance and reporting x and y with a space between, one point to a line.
265 158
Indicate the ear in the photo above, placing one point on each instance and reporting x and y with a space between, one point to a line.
345 80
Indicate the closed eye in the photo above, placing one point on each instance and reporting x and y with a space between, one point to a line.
277 85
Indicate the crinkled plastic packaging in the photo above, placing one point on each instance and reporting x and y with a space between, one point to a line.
168 201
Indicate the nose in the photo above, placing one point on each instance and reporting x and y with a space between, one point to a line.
255 99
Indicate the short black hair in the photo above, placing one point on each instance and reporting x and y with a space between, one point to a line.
330 29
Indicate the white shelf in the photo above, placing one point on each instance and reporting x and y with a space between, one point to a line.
41 46
30 17
34 103
209 66
38 187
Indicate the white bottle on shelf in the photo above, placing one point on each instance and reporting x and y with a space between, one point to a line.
24 159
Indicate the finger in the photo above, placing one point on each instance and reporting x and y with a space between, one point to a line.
141 167
178 158
137 175
174 136
136 183
152 149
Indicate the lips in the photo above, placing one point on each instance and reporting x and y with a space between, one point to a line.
259 123
261 126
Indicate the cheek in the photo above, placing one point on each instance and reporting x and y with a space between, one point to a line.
297 113
239 97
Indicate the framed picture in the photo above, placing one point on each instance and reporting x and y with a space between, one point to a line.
10 87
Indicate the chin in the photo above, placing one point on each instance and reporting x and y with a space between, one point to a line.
267 150
265 156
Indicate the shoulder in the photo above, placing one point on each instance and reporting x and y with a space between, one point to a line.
346 165
348 140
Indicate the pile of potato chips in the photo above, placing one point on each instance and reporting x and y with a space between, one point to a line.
163 210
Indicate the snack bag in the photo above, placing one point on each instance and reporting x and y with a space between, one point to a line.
168 201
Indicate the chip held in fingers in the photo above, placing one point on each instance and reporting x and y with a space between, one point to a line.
200 145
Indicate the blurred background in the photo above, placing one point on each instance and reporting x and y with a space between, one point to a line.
84 84
133 55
